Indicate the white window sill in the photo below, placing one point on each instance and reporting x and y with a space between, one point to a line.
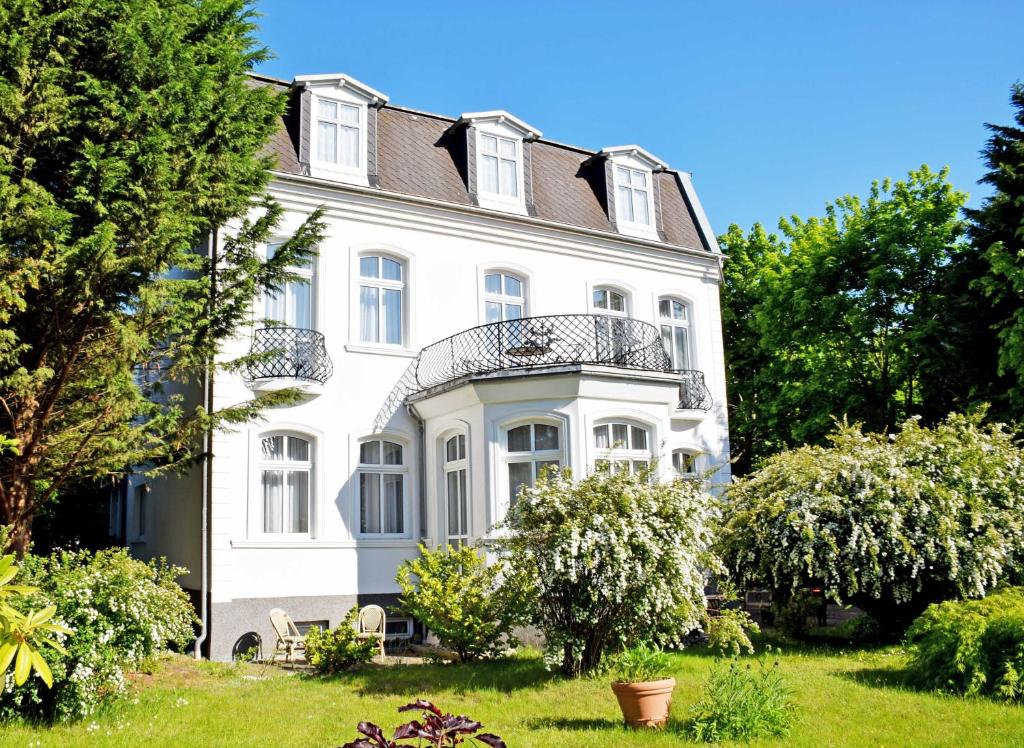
381 350
638 230
310 543
320 171
507 205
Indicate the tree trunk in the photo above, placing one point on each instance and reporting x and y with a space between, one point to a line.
18 510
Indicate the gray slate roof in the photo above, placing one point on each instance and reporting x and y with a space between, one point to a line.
414 157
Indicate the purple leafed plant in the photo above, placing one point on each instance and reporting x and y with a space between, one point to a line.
433 729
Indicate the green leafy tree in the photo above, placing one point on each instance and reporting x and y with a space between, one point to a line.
889 523
472 606
129 132
998 232
862 312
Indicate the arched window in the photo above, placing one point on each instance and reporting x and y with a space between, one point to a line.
381 300
622 447
286 468
529 450
608 300
674 317
504 297
456 490
382 490
610 328
291 303
684 462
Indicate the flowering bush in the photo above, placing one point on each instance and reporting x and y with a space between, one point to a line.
615 559
887 523
972 647
470 605
122 611
338 649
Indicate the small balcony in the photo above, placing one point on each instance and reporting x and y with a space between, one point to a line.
693 391
283 356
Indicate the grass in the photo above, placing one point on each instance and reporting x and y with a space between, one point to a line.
844 698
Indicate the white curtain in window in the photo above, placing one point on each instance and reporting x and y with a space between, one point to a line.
393 316
349 146
369 502
298 498
394 519
273 500
369 322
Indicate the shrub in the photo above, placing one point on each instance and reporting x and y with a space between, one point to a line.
338 649
793 615
24 636
470 606
886 523
437 728
729 632
641 664
122 611
613 559
973 647
741 702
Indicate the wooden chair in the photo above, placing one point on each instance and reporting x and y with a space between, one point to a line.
372 625
289 640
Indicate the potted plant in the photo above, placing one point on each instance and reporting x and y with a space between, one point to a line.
642 686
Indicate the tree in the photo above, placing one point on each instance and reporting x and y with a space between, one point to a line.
129 132
997 230
889 523
864 312
613 559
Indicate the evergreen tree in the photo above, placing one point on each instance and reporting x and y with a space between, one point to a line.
129 132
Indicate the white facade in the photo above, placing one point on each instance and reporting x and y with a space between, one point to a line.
365 518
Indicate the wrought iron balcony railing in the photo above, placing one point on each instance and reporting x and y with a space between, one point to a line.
534 342
693 391
289 353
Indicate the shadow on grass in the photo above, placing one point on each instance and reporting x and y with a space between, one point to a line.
894 678
577 723
504 676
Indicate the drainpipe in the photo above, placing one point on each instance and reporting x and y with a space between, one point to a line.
207 478
421 472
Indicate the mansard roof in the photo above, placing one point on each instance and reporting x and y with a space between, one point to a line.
416 156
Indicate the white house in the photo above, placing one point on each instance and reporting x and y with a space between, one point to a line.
486 302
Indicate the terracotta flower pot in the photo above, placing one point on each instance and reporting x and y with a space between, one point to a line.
645 704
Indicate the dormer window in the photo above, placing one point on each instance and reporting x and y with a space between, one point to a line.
339 115
634 195
499 161
339 133
630 182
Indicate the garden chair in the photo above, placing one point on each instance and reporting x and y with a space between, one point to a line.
288 637
371 625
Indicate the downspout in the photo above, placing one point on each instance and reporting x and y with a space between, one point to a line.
421 472
207 479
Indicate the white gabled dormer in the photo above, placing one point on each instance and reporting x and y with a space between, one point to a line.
339 122
497 145
629 176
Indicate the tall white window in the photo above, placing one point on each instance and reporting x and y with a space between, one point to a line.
381 300
684 463
499 166
338 133
622 447
286 467
503 297
456 490
610 328
675 331
382 494
291 304
633 204
530 449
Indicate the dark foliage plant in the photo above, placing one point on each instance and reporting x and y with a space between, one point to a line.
434 728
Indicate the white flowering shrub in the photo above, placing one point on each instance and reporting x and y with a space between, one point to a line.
616 560
122 612
887 523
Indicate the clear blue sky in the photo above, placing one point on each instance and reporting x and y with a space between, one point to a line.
775 107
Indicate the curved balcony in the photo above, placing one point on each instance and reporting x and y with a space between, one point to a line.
282 353
535 342
693 391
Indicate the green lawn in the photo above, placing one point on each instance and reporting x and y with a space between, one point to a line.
845 699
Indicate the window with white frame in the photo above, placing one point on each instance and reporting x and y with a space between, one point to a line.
684 462
499 166
286 481
504 297
674 317
291 303
456 467
338 133
530 449
610 328
622 447
633 203
381 300
382 490
609 300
